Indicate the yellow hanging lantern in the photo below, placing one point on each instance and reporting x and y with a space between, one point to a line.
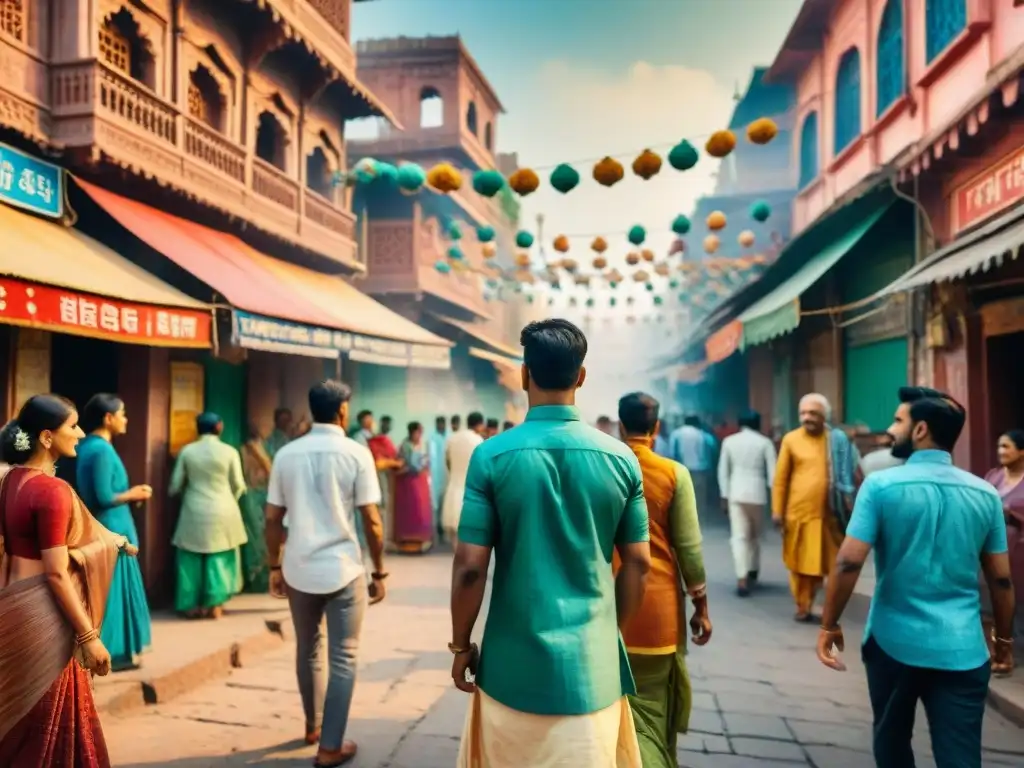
614 276
647 254
661 269
632 258
716 220
582 280
640 276
444 178
720 144
562 244
711 243
523 260
599 262
524 181
647 164
746 238
569 265
489 250
599 245
762 130
608 172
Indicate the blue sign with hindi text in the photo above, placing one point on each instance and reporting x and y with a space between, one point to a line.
32 184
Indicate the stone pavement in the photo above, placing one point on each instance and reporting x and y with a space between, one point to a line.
761 698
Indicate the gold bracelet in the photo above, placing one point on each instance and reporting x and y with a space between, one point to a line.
699 592
87 637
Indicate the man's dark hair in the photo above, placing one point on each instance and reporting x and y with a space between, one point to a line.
207 423
944 416
692 421
413 426
474 420
638 413
456 419
751 420
492 423
326 399
606 419
507 426
553 351
362 415
440 421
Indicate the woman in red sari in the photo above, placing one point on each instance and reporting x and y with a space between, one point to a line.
56 565
414 508
1007 479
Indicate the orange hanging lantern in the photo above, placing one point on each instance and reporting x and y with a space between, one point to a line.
599 262
562 244
444 178
746 238
720 144
600 245
489 250
716 220
632 258
762 130
524 181
523 260
711 243
647 254
647 165
608 172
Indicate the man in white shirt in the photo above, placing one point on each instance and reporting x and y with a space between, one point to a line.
316 484
689 445
458 451
746 470
880 458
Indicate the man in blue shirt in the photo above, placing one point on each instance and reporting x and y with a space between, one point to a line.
930 525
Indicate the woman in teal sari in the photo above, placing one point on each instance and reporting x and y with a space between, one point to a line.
103 485
256 470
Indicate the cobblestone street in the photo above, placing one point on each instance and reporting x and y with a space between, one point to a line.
761 698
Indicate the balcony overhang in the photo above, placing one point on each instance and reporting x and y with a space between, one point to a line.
803 41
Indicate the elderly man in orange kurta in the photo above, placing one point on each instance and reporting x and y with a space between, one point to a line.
801 506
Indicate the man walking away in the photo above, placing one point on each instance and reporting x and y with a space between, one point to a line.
492 429
689 446
317 483
457 455
554 498
655 642
438 467
746 470
930 524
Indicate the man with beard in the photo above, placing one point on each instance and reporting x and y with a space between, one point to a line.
930 525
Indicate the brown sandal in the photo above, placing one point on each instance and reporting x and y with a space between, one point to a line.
335 758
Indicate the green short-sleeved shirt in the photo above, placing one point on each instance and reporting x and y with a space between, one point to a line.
553 497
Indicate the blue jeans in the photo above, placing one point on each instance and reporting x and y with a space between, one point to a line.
327 703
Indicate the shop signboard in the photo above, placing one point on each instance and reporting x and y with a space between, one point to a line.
31 184
995 189
63 310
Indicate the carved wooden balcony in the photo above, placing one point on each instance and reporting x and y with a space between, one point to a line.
108 117
324 24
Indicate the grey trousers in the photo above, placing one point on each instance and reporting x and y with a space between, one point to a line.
326 702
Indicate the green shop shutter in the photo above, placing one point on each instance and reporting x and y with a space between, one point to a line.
871 375
225 396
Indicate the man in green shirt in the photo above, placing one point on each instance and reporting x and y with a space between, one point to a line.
553 499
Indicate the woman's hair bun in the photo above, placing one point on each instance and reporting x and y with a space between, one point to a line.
12 448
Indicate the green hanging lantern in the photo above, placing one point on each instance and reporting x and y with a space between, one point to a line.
524 239
455 253
649 287
365 170
443 267
488 183
529 299
485 233
637 235
565 178
454 231
682 156
658 301
411 178
682 298
760 211
613 285
387 172
680 225
611 302
590 302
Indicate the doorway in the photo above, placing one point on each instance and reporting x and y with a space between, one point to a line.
1002 389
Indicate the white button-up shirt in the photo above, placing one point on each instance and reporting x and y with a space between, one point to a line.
321 479
746 467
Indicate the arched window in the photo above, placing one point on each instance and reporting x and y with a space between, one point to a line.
809 150
431 108
205 101
890 73
123 47
489 137
471 118
271 140
318 173
847 101
943 21
12 19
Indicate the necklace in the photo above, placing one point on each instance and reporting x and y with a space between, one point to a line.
50 470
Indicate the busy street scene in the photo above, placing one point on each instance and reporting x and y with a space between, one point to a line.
448 383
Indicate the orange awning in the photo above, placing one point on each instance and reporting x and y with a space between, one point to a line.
723 342
267 290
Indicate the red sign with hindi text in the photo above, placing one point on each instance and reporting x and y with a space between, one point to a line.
998 187
66 311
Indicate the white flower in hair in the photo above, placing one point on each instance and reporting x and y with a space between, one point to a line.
21 441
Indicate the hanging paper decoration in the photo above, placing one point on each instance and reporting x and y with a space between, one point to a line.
637 235
746 238
444 178
720 144
647 164
524 181
443 267
649 287
488 183
711 243
570 265
600 245
673 284
454 231
561 244
524 239
680 225
583 280
525 276
523 260
455 253
632 258
661 269
386 172
640 276
647 254
411 178
365 170
599 262
489 250
529 299
485 233
630 301
611 302
760 211
608 172
716 220
678 246
683 156
658 301
590 301
762 130
565 178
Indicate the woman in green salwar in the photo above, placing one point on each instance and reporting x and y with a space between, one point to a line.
208 477
256 469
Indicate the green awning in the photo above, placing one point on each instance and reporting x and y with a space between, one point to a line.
778 313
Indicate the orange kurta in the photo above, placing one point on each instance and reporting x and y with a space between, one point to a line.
800 493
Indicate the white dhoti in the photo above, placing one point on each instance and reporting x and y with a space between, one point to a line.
745 522
496 736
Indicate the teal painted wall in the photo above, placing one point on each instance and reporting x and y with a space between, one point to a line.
381 389
225 395
872 374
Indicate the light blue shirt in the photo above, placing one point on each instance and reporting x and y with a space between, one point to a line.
929 524
438 468
689 446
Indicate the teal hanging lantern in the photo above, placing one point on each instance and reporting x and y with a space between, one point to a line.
590 302
411 178
658 301
443 267
529 298
649 287
455 253
611 302
673 283
760 211
565 178
682 298
613 285
365 170
485 233
387 172
454 231
524 239
680 225
488 183
682 156
637 235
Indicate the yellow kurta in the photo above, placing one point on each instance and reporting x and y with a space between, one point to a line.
800 493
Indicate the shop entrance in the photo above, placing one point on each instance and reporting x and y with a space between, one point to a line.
79 368
1005 409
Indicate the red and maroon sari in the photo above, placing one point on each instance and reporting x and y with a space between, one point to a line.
47 715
